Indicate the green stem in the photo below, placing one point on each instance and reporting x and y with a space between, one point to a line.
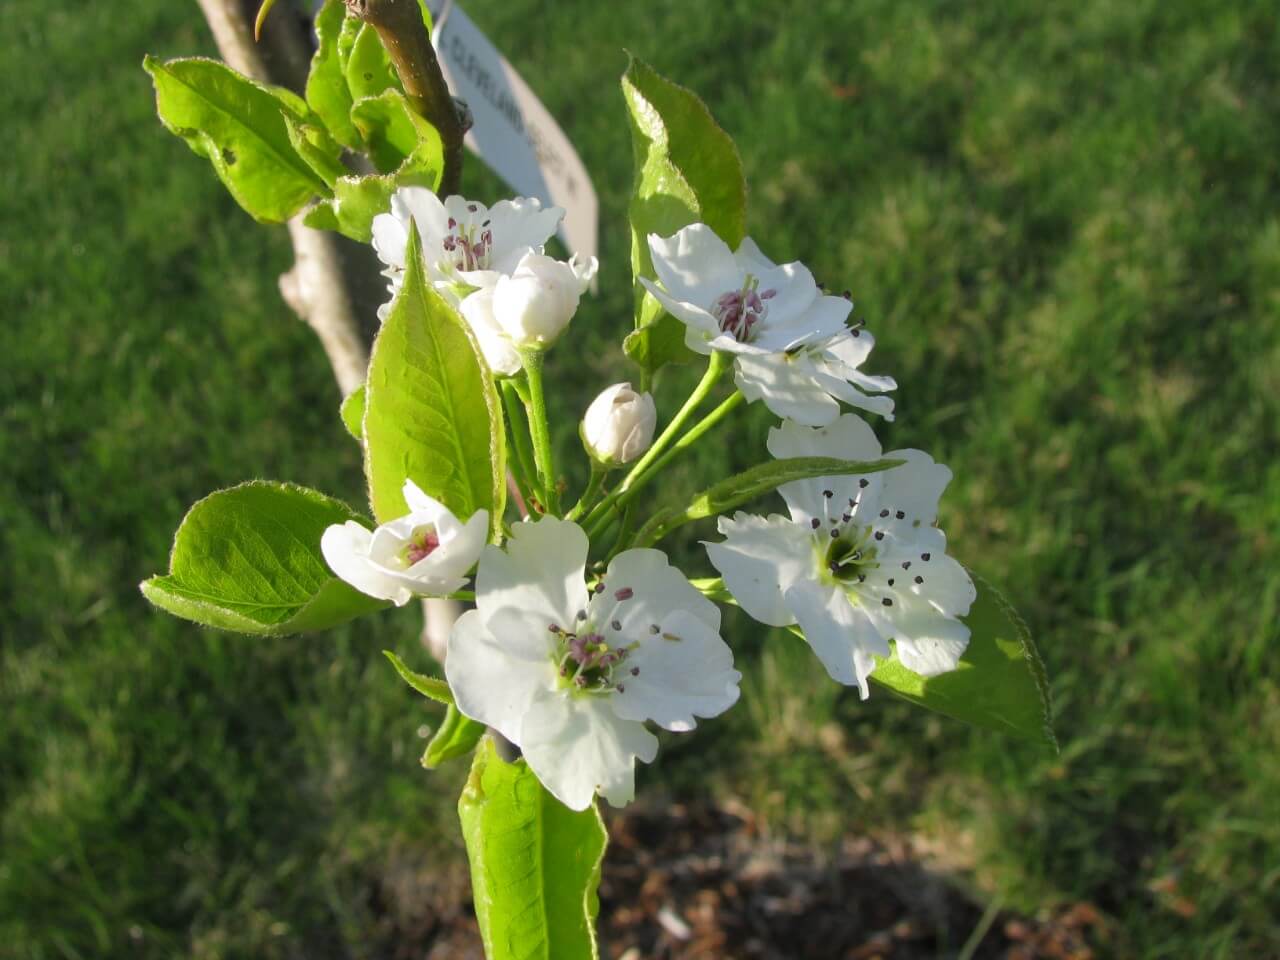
524 470
543 458
725 408
589 495
465 595
720 362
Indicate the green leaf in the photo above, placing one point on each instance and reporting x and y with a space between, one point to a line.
352 411
385 123
317 148
240 127
248 559
432 413
431 687
535 864
457 737
748 485
327 92
1000 684
357 200
368 68
687 170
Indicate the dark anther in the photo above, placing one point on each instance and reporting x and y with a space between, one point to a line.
834 533
887 602
919 579
899 514
815 523
654 629
891 581
635 671
924 556
863 483
626 593
554 627
884 513
906 564
616 625
879 534
828 494
582 614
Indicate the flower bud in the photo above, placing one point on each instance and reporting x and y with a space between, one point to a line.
619 425
536 302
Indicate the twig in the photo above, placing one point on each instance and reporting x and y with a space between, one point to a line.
399 23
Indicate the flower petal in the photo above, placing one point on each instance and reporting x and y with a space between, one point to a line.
841 634
848 437
915 487
682 672
759 559
787 386
540 572
345 548
518 225
578 746
657 589
493 681
695 265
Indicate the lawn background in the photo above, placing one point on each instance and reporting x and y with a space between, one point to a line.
1061 221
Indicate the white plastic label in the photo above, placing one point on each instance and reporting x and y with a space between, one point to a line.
512 132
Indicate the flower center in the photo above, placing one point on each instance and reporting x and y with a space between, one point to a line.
585 658
422 543
469 245
852 551
739 311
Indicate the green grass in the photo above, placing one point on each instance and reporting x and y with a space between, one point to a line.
1064 229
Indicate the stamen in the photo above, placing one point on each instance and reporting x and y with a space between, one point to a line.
900 515
925 557
887 602
635 671
615 624
919 579
626 593
815 523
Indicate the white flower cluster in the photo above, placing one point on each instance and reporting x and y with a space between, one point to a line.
570 666
489 262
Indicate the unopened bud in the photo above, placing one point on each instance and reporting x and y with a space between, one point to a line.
619 425
536 302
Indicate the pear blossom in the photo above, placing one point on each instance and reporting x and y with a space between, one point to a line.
571 671
499 352
535 302
463 241
427 552
619 425
790 342
858 563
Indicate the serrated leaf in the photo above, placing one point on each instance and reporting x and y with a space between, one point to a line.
1000 683
535 864
431 687
327 92
240 127
368 68
248 559
457 737
750 484
687 171
357 200
352 412
432 412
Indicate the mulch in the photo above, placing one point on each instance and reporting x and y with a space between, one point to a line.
709 883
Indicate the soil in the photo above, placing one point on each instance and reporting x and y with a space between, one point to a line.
706 883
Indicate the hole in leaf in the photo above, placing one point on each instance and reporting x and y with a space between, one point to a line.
228 156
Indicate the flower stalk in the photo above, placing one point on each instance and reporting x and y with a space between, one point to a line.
540 433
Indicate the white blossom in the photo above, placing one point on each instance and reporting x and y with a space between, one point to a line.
535 302
499 352
463 241
570 672
791 346
619 424
858 563
427 552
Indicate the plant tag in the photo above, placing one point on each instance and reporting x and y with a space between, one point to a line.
513 132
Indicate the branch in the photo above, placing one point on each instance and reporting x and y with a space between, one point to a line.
399 23
315 287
